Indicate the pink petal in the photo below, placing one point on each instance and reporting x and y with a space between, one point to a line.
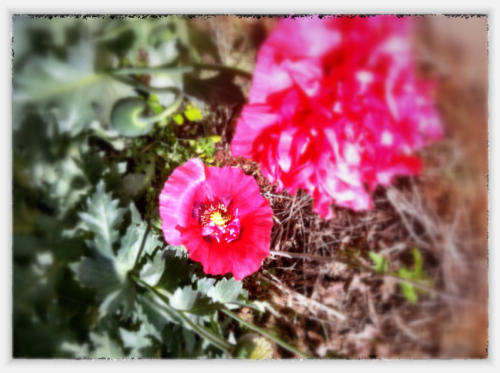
336 108
177 198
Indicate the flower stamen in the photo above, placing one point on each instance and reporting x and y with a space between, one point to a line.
217 219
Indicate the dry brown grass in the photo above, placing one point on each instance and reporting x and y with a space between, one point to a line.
341 308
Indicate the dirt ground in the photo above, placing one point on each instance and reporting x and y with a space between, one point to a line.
338 307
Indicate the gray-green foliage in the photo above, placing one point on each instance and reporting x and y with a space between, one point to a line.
92 276
106 272
191 304
70 91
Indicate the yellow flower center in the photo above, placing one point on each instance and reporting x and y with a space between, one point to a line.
217 218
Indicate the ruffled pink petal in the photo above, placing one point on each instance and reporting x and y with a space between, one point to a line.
238 248
253 122
242 188
176 199
241 257
336 108
306 73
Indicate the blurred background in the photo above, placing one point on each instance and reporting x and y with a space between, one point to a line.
66 138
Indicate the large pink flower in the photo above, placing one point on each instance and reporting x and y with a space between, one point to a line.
220 217
336 109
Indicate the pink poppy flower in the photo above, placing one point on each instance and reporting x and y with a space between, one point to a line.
336 109
219 215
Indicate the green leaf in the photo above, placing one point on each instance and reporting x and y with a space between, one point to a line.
71 91
192 301
214 139
157 315
98 273
203 285
418 266
193 114
148 33
226 291
176 272
379 261
103 219
152 239
123 297
187 320
105 272
151 329
135 215
78 351
130 246
179 119
408 289
136 340
153 269
105 347
164 53
40 35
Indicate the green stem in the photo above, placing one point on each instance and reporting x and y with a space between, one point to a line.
201 330
266 334
153 70
144 87
181 70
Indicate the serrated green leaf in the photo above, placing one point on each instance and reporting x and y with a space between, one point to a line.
135 340
77 350
153 269
105 347
203 285
135 215
192 301
151 329
226 291
104 272
103 219
179 251
130 246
